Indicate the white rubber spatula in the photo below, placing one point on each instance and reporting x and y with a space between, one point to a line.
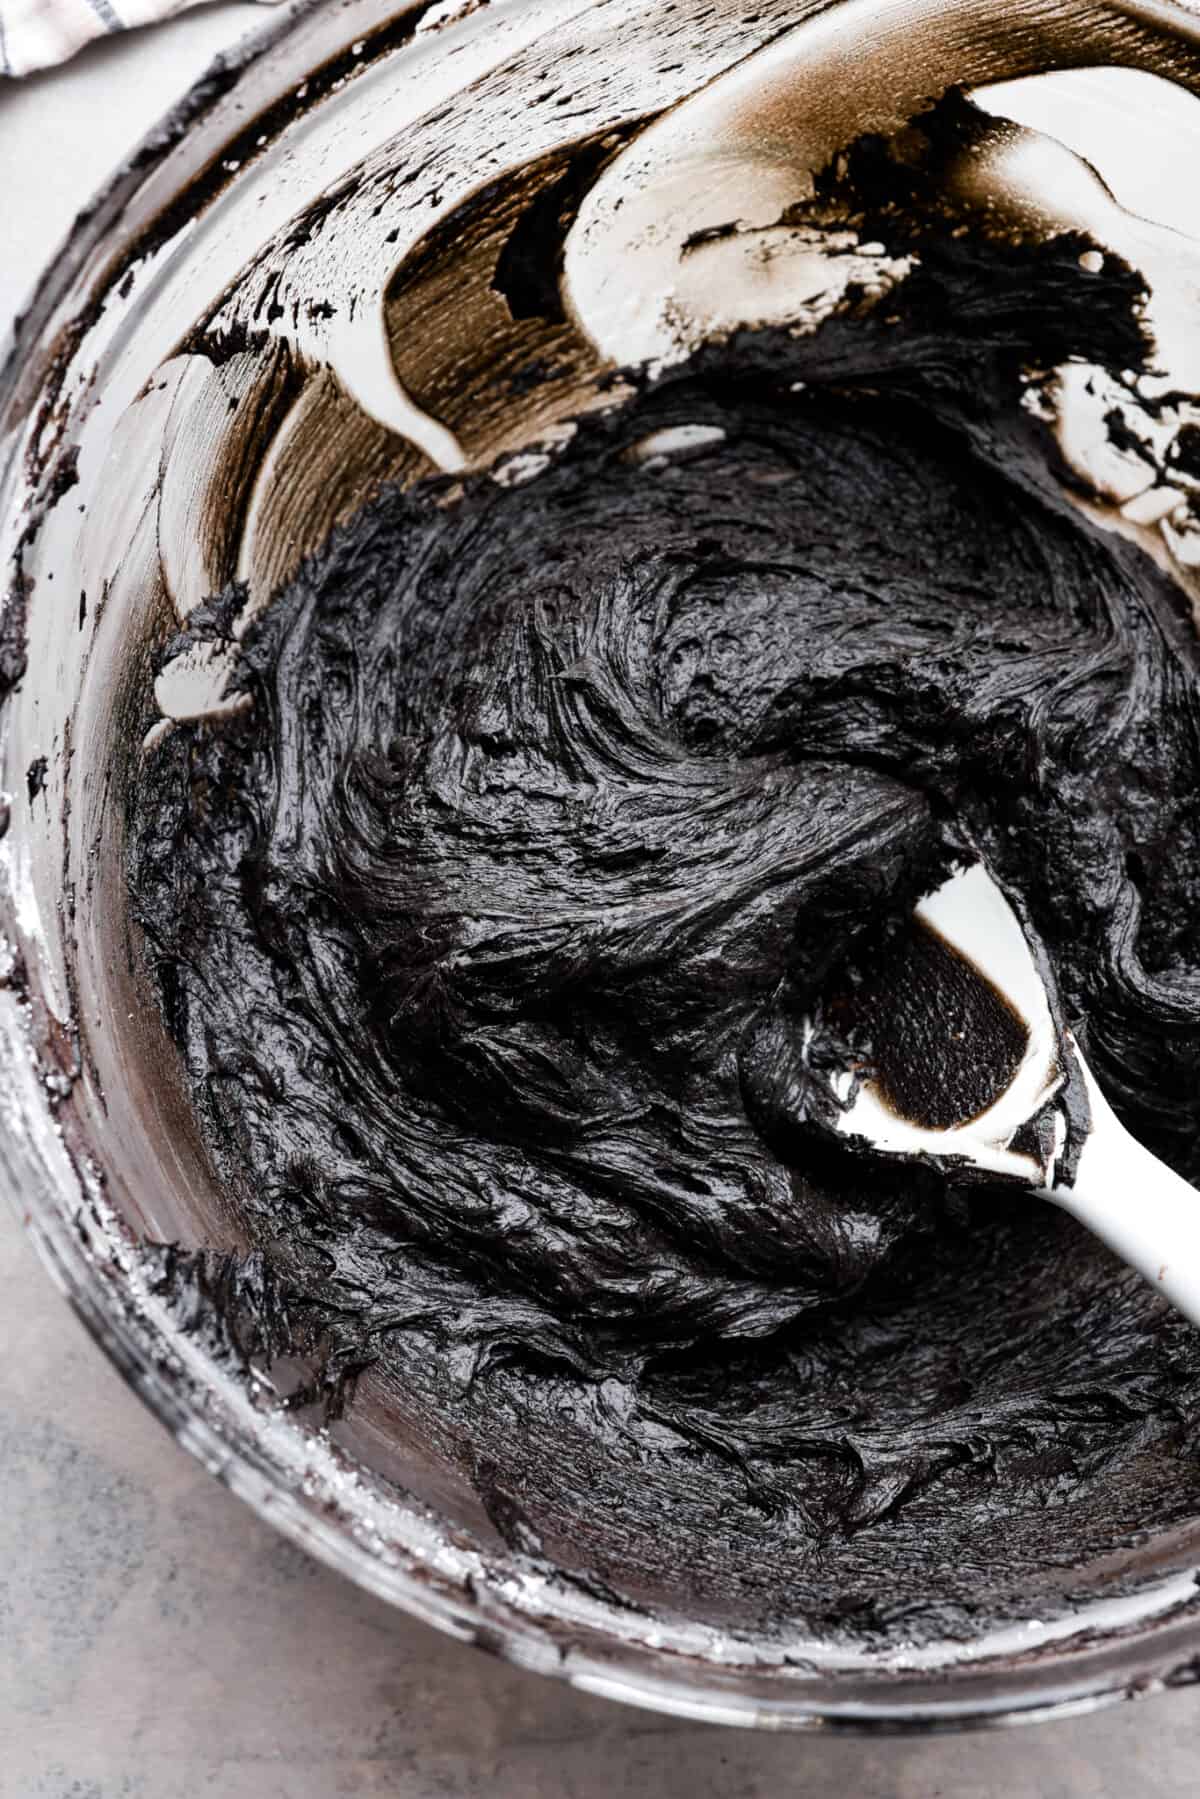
970 1067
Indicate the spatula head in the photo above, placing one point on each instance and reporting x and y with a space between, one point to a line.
966 1059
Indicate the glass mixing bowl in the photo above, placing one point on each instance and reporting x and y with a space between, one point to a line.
300 244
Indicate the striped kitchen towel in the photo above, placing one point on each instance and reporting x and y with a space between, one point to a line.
35 34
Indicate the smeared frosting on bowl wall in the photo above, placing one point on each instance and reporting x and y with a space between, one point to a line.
526 611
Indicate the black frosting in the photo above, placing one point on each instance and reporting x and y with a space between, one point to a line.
494 936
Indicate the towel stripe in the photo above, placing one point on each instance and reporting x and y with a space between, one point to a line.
108 15
37 34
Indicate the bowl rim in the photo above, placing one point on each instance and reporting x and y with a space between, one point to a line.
1160 1648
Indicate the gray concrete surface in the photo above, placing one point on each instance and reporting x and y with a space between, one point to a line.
159 1642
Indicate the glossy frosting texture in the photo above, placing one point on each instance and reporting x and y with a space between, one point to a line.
492 929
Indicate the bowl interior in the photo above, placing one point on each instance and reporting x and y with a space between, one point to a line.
288 300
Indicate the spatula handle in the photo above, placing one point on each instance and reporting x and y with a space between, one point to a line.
1137 1205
